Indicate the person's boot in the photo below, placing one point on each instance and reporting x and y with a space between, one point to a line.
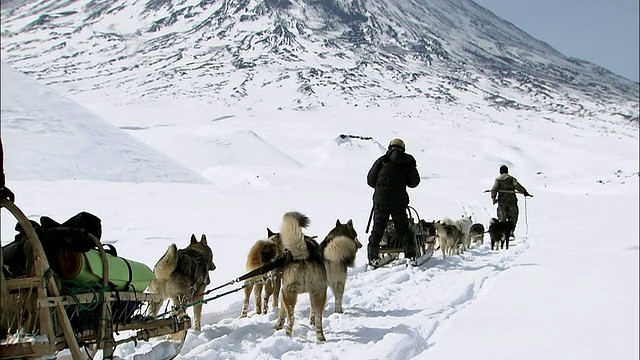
373 254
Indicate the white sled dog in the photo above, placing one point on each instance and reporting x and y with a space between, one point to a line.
339 248
304 273
464 224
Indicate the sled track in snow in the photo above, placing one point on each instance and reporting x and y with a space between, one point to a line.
399 305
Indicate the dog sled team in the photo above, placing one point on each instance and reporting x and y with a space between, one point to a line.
311 267
308 267
395 171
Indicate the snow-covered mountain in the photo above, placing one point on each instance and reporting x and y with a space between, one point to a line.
359 52
101 151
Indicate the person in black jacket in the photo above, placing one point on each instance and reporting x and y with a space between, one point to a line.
5 193
389 176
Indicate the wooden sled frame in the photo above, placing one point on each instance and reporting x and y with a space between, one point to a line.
425 247
53 321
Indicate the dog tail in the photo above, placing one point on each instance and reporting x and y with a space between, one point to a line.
447 221
291 234
167 263
341 249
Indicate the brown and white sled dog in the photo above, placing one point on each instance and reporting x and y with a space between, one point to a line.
450 237
262 253
476 233
305 273
182 276
339 248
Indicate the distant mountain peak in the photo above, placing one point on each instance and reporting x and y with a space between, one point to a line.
304 53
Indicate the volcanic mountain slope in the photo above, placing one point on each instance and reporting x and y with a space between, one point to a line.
360 51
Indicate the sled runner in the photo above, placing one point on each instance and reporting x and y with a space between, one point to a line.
42 315
391 246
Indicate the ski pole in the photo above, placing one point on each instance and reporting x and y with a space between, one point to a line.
526 217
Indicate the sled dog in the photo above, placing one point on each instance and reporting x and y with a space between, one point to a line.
304 273
429 229
182 276
262 253
450 237
339 248
499 232
476 234
464 224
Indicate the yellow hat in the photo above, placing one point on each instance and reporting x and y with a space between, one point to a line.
397 142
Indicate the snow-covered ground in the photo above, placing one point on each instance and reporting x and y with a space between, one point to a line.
156 173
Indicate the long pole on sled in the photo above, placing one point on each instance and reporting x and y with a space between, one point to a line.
506 191
366 231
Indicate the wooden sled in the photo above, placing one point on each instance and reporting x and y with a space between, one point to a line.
391 247
36 320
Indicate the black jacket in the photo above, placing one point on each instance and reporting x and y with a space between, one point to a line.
1 165
390 175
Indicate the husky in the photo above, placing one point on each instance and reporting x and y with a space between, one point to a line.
499 232
476 234
450 237
304 273
339 249
464 224
429 228
262 253
182 276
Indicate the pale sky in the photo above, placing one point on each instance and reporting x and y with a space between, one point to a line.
602 32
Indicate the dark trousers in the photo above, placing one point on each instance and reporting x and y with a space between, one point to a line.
508 212
400 222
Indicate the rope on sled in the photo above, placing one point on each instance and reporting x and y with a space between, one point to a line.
185 306
264 269
73 287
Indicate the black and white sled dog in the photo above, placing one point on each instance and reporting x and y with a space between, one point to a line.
339 249
429 228
304 273
476 234
499 232
182 276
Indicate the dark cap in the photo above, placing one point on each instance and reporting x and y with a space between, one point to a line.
504 169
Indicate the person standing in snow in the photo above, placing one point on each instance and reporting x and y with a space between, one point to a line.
5 193
503 192
390 176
